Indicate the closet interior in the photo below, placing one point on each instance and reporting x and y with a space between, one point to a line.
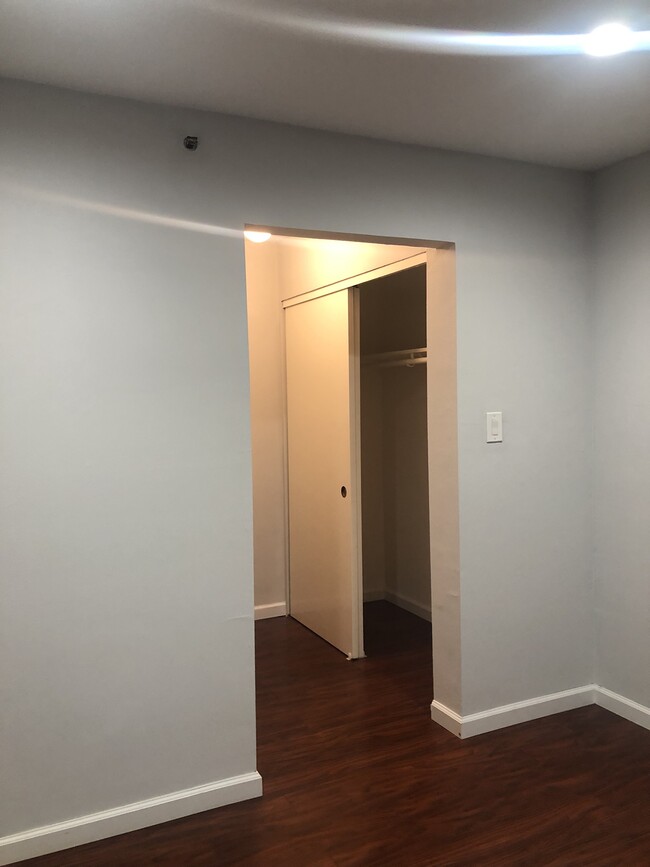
393 429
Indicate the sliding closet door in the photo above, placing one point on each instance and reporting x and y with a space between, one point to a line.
323 565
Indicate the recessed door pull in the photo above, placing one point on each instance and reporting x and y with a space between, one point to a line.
344 491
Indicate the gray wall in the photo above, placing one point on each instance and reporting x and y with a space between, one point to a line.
125 560
523 348
127 628
621 493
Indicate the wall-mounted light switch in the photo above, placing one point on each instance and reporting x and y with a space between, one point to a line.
494 427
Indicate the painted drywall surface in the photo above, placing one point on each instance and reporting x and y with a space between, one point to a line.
394 484
523 502
372 486
266 339
308 263
126 660
444 517
408 570
394 465
124 634
522 292
621 555
393 312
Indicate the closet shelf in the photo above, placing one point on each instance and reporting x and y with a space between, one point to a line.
399 358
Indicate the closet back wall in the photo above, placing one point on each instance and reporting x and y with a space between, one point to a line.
394 460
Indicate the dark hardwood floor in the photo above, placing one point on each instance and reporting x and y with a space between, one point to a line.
356 773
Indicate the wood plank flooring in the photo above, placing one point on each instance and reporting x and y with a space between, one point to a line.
356 773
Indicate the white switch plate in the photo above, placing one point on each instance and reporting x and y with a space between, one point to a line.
494 422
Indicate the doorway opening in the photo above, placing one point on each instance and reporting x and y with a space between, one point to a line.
354 503
396 569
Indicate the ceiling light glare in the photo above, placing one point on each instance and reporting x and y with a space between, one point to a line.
257 237
608 40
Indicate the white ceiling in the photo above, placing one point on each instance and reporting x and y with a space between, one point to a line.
272 59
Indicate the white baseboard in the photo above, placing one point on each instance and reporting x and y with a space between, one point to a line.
396 599
447 718
511 714
408 605
625 707
276 609
129 817
373 595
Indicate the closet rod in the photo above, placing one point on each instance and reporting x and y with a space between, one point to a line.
404 362
399 358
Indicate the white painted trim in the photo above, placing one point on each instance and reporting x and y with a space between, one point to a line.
511 714
624 707
397 599
354 363
536 708
274 609
447 718
408 604
384 271
374 596
523 711
129 817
